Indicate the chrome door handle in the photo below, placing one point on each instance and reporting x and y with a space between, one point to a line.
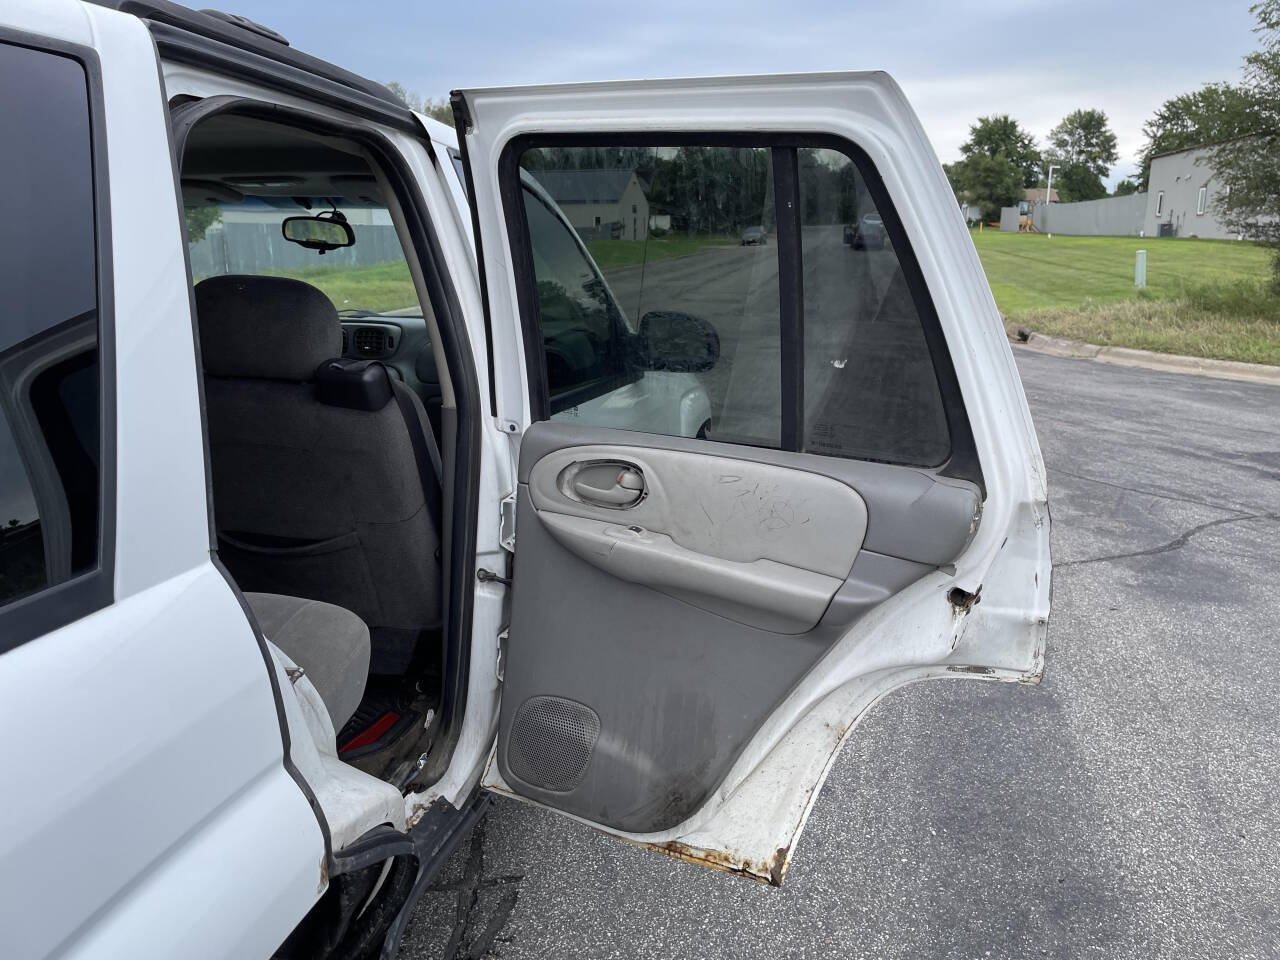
625 491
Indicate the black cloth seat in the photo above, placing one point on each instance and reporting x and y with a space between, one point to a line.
331 494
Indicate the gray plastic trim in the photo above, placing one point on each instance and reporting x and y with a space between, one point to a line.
719 507
911 513
765 594
874 579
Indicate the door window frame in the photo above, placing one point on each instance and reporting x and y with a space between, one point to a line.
961 462
55 606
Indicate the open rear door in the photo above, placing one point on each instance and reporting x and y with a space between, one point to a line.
774 457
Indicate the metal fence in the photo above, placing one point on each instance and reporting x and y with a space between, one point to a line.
1109 217
260 248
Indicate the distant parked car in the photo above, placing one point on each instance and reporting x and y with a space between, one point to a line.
754 237
867 234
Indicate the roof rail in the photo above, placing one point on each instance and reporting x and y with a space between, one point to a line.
244 23
211 37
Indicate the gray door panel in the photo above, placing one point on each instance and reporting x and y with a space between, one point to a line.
761 593
638 669
754 542
912 513
677 690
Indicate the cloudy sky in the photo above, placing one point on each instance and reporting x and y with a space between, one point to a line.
1034 59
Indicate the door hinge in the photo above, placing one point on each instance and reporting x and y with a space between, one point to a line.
507 524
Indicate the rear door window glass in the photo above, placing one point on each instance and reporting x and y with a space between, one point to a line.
783 255
663 232
869 384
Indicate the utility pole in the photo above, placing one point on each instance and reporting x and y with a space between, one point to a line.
1048 197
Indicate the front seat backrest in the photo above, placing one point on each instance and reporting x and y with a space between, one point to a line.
319 493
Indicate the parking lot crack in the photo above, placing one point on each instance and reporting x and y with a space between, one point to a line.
1176 543
469 889
1242 513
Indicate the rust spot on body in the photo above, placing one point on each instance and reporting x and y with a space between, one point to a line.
977 671
771 871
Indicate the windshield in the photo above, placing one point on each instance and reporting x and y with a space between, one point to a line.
370 278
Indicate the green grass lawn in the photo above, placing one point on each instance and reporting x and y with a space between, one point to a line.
611 254
387 286
1207 298
379 288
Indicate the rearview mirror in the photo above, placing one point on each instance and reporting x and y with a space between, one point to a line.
678 342
321 233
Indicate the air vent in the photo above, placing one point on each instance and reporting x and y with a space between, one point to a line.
372 342
346 338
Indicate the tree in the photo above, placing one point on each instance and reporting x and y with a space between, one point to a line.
1085 148
433 108
1084 139
1001 135
1075 182
1249 167
200 219
1215 113
1126 187
989 182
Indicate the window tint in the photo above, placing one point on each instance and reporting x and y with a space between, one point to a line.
869 385
681 291
668 241
49 378
583 336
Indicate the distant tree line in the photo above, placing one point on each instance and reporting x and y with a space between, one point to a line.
1239 121
719 189
433 108
1000 159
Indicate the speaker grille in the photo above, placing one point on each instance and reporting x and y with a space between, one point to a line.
551 742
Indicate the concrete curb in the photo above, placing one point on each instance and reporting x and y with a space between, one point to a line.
1149 360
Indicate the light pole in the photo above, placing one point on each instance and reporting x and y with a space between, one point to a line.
1048 196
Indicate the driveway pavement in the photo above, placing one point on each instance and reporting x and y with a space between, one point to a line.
1129 806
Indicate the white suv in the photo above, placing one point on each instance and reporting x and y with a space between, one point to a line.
353 470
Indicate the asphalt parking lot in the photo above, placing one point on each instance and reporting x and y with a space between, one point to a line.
1129 806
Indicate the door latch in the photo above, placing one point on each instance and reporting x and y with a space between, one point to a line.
507 524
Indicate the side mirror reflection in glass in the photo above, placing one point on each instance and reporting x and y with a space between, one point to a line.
678 342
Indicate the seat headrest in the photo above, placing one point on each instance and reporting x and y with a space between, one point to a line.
354 384
266 328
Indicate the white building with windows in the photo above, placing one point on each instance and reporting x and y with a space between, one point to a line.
1180 196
